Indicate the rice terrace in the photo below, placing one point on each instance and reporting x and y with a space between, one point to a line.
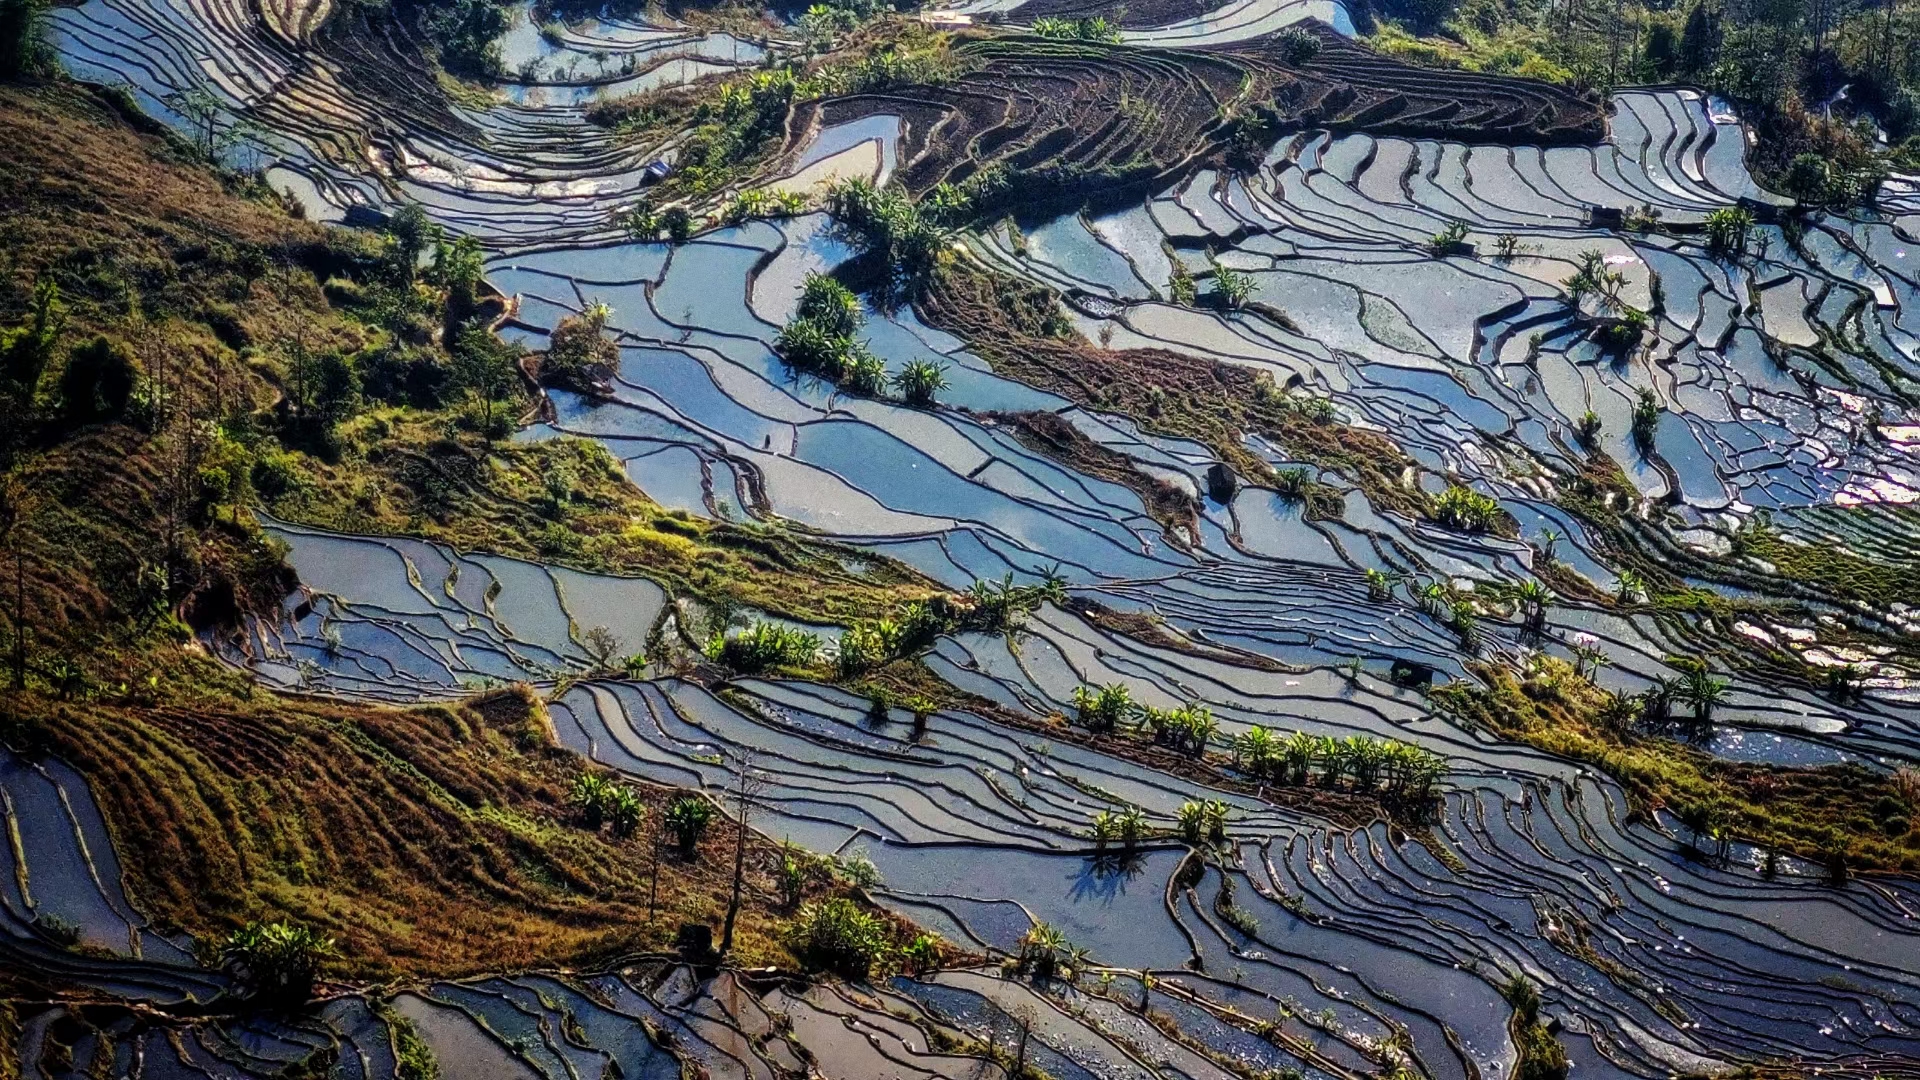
1019 539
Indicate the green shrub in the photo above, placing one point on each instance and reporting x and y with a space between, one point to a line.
864 373
276 961
1465 509
1094 28
868 643
1231 287
687 819
98 381
830 306
919 381
1727 230
837 936
1104 708
1296 46
763 645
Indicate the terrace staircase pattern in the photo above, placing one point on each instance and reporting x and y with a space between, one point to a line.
1094 115
1651 957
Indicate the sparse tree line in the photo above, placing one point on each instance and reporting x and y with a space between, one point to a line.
1388 769
819 340
988 607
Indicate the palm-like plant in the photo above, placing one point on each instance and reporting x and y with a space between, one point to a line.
1703 692
1535 599
1365 758
1618 710
1298 752
589 797
1106 828
830 305
1041 951
863 373
1214 815
687 819
1256 749
1333 761
1104 708
1192 819
1727 230
624 811
919 381
276 960
1656 704
1200 728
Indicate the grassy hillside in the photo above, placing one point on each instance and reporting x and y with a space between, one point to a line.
179 348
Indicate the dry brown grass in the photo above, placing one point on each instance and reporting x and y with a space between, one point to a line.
431 841
1809 812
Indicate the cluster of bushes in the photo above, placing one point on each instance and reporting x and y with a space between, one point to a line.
799 870
409 307
819 340
276 962
1467 510
871 643
825 22
1202 821
1541 1055
1109 708
580 355
840 936
988 607
1045 953
1358 763
1296 46
756 204
747 118
1199 821
1126 827
763 646
1728 229
1092 28
600 800
466 33
888 227
1619 326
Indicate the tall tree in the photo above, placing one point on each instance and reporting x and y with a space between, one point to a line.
1699 41
23 45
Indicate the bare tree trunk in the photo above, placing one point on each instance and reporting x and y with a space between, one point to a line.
653 891
743 796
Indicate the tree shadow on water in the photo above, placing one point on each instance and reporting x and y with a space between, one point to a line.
1104 877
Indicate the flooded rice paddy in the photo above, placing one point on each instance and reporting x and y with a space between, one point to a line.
1651 962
